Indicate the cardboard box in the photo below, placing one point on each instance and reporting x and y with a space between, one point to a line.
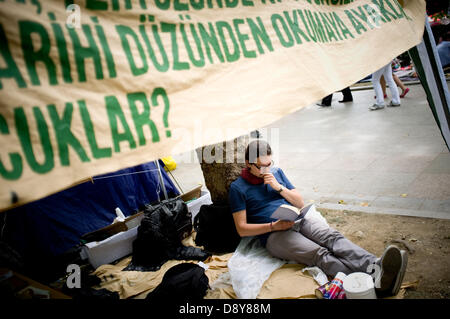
111 249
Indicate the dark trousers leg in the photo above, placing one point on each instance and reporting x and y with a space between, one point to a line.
347 93
327 100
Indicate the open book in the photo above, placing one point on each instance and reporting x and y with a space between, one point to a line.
291 213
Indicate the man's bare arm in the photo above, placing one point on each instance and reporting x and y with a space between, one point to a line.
244 229
293 197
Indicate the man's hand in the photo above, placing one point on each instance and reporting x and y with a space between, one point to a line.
272 181
282 225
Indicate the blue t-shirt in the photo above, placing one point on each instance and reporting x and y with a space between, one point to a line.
259 201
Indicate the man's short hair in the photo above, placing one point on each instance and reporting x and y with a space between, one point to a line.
256 149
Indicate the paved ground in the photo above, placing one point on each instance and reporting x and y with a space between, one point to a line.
391 161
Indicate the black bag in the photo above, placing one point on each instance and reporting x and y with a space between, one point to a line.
215 229
184 281
159 236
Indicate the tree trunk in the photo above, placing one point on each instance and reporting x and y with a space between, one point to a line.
221 164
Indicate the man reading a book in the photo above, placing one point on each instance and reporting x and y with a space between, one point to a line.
262 189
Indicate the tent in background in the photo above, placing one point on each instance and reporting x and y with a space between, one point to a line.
43 230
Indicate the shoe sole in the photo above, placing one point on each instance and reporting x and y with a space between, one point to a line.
401 273
375 109
393 105
391 264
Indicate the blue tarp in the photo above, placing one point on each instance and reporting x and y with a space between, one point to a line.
52 225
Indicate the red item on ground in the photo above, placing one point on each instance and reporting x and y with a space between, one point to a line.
404 93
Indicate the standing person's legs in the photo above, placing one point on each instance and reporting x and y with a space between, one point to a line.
392 86
383 86
347 95
326 101
292 245
350 254
377 86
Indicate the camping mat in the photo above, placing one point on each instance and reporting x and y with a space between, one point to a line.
287 282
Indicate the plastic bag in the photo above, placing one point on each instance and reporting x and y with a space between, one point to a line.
318 275
250 266
313 214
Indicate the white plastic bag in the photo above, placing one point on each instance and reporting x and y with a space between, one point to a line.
250 266
318 275
313 214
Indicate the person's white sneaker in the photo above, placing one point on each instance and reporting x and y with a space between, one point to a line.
376 107
392 104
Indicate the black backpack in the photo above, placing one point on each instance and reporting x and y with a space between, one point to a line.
215 229
184 281
159 236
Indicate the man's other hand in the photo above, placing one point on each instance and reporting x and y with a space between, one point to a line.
282 225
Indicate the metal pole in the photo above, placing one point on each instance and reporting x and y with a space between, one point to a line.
161 180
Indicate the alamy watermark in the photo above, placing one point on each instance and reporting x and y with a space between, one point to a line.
74 16
74 276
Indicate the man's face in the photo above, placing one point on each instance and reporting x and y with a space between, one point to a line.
261 166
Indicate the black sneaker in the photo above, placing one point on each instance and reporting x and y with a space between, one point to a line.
391 265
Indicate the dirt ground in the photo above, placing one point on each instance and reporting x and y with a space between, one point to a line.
426 239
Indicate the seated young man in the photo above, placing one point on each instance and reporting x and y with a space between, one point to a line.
262 188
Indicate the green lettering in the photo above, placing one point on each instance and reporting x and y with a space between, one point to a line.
177 5
161 67
62 50
90 133
328 28
210 40
293 25
162 4
376 17
14 158
23 131
31 56
342 26
231 56
197 5
362 16
317 25
81 53
311 31
402 12
290 40
231 3
386 14
108 55
115 113
161 92
259 33
64 136
201 60
242 38
331 21
96 5
142 119
170 27
124 32
11 70
356 24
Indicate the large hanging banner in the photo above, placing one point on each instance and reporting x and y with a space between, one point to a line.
89 87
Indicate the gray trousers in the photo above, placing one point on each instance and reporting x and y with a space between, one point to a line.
313 243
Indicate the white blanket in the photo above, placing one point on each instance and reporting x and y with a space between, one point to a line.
251 264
